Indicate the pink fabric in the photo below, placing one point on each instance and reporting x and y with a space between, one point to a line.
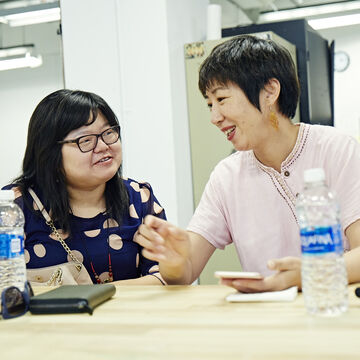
252 205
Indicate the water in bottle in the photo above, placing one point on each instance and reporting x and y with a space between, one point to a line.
12 262
323 271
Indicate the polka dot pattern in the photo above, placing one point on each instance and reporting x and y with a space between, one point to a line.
135 186
157 208
77 254
39 250
104 276
133 212
110 223
17 192
154 268
94 237
145 195
35 206
92 233
115 242
27 256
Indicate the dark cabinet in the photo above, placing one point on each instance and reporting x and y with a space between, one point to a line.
314 62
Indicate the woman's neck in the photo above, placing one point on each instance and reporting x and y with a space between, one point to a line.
278 145
87 203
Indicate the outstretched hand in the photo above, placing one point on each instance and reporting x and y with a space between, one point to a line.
164 243
288 274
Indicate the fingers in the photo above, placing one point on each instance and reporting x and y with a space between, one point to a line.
159 225
152 249
286 263
248 285
149 233
279 281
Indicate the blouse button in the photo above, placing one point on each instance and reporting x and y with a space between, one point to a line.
287 173
38 278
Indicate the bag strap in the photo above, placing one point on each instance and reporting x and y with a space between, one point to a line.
50 223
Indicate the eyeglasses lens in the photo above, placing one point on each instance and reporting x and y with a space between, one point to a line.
109 136
87 143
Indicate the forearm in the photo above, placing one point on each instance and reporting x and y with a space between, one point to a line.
144 280
352 261
180 274
193 263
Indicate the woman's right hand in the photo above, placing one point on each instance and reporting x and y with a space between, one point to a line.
166 244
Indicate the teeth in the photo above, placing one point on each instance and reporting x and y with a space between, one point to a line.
227 132
102 160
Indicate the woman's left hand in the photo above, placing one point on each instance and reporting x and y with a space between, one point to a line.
288 274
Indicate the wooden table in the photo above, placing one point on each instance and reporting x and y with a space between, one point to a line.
183 322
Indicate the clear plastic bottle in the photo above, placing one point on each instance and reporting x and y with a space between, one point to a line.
12 261
323 271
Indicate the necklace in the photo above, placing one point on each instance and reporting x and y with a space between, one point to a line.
97 277
98 280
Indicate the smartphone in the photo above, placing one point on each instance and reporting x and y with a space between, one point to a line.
237 275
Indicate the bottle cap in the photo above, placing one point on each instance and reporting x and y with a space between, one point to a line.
7 195
314 175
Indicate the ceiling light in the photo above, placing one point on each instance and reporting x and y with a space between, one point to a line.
33 17
29 15
309 11
19 57
334 21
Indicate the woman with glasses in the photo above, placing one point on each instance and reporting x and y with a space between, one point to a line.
73 163
251 88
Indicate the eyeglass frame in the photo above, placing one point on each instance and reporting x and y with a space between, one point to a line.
26 294
77 140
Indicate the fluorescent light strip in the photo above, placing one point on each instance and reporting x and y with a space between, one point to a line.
16 63
15 51
336 21
32 17
308 11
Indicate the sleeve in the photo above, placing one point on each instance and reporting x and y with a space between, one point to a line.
209 219
344 177
150 206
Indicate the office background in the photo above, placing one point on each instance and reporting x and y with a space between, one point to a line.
131 53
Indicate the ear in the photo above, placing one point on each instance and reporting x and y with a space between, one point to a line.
272 91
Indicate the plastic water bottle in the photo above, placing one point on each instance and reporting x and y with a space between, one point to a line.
12 261
323 272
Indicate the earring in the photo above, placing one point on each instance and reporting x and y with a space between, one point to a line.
274 121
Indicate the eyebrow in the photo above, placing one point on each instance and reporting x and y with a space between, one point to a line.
86 133
216 89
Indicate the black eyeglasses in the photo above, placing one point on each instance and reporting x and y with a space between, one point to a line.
88 143
15 302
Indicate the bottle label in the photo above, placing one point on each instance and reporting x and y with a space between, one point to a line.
11 246
321 240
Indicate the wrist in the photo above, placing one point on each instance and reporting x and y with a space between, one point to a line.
176 274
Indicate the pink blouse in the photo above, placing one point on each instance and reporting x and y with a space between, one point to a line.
253 205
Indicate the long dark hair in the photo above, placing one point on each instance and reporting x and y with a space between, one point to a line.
55 116
250 62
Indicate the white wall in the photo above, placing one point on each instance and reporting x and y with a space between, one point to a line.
131 53
22 89
346 94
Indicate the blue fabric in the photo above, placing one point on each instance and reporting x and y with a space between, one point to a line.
89 237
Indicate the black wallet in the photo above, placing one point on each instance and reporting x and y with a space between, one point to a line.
71 299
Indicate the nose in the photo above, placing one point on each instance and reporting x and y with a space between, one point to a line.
216 115
101 145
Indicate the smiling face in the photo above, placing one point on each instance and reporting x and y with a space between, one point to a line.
93 168
240 121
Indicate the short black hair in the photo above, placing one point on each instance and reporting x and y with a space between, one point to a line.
250 62
54 117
